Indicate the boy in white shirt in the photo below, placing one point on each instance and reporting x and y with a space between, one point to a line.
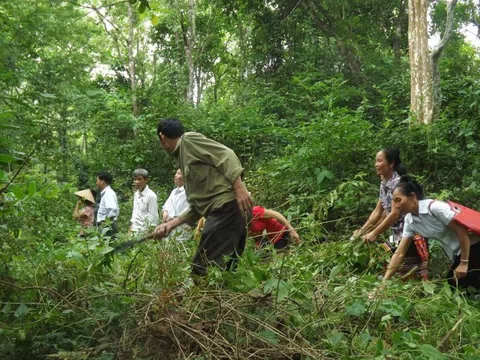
108 208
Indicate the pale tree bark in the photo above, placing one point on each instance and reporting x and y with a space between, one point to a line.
435 56
421 94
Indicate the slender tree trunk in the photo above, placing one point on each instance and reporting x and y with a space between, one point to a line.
435 55
85 143
397 36
131 57
421 101
242 36
191 34
199 85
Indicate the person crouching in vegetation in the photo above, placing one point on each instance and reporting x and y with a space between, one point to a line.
389 167
435 219
280 233
145 206
84 212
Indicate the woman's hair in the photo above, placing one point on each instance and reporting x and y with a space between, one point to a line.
393 157
408 185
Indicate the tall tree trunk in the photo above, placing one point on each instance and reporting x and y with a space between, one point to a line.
131 57
421 95
397 35
188 35
436 53
191 34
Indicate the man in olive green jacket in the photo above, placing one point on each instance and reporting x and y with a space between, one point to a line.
212 175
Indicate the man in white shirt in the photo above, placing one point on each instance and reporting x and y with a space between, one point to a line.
176 204
108 208
145 207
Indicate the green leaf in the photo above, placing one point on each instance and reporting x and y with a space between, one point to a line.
7 308
32 188
18 192
143 6
358 308
336 338
106 250
335 271
283 290
9 127
260 275
154 20
75 255
48 96
21 311
269 335
5 158
322 175
432 353
6 115
379 347
429 287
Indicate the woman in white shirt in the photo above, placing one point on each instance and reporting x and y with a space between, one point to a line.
434 220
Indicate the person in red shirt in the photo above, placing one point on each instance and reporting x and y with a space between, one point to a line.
280 232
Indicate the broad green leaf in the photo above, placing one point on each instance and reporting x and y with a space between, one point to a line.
429 287
154 20
335 271
32 188
21 311
270 336
358 308
7 308
75 255
283 290
336 338
106 250
18 192
322 175
260 275
432 353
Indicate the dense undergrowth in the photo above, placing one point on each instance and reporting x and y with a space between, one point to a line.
63 297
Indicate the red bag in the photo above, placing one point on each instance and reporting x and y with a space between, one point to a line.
465 216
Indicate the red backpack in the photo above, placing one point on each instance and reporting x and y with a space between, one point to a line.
464 216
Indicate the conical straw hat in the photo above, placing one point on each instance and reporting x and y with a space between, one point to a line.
86 194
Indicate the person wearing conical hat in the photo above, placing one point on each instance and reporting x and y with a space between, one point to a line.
84 212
